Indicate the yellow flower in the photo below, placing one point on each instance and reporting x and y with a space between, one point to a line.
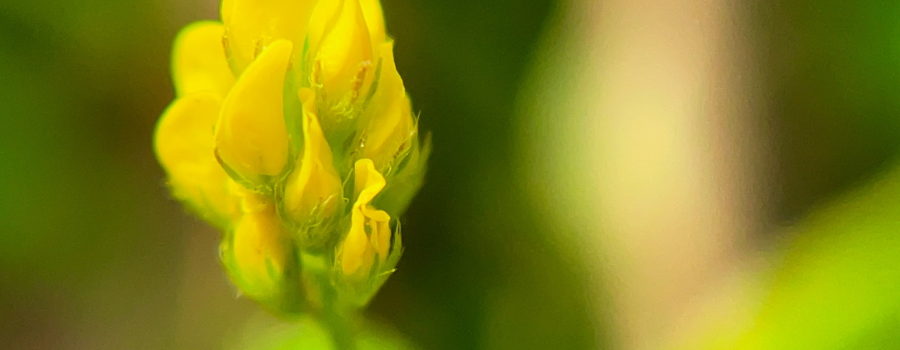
314 189
251 137
369 237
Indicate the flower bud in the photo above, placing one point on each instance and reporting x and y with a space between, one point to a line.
342 53
254 24
251 138
313 190
366 257
258 252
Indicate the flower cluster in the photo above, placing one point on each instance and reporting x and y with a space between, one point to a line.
292 132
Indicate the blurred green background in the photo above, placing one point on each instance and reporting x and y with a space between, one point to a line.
95 255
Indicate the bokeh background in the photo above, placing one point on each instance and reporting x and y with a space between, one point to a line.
606 174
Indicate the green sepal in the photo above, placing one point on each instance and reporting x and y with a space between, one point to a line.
405 177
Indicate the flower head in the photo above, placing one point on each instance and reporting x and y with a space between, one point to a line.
292 132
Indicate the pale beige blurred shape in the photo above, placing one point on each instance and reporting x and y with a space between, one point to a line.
648 120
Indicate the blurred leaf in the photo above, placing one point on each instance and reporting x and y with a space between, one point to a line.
837 285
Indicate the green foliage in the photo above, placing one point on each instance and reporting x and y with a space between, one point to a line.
306 333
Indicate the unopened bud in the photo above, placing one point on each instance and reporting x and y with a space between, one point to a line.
313 191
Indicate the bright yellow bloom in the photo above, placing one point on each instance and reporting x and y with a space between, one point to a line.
259 250
292 131
369 237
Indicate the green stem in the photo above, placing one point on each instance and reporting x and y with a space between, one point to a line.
341 330
337 320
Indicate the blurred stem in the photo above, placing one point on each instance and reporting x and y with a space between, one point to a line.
340 328
332 314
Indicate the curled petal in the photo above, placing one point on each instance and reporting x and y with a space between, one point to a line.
368 182
370 233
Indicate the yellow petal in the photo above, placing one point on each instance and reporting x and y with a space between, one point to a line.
260 247
184 145
251 138
390 123
254 24
342 48
198 60
314 187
